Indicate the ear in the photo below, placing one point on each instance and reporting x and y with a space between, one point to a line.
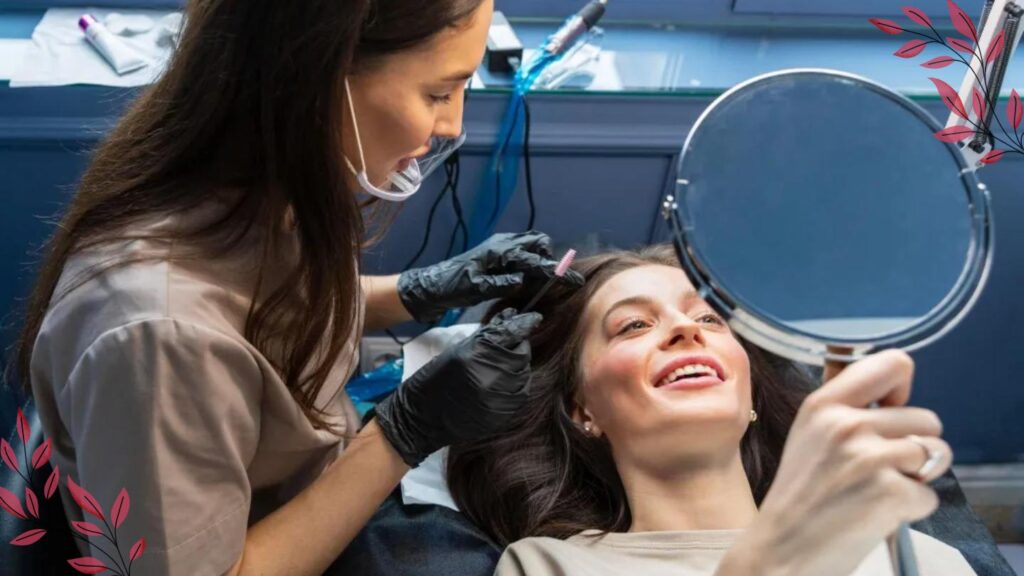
585 420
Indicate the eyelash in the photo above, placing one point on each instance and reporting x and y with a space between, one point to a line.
634 321
446 99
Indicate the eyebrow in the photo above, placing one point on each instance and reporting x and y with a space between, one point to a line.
642 301
458 76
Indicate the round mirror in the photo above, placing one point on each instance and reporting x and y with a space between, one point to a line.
818 212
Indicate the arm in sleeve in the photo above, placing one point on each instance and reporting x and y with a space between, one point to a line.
169 411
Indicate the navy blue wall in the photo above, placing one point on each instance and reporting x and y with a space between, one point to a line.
601 164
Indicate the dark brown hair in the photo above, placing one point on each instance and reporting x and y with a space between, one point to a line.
248 114
542 476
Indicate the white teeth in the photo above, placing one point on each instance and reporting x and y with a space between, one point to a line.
688 370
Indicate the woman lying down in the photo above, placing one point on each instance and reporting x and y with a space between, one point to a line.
656 442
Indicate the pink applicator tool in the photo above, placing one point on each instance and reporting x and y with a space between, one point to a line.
560 270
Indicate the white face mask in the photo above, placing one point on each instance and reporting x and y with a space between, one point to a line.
404 183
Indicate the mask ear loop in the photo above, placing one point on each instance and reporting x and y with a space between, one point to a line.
355 127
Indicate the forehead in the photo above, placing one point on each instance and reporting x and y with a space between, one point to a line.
655 281
459 47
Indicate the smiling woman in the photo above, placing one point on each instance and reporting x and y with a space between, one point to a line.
654 438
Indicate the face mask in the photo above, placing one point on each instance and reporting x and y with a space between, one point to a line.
404 183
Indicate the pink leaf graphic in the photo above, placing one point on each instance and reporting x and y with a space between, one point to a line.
911 48
137 550
31 502
42 454
10 502
955 133
996 48
887 26
51 483
979 104
993 157
917 16
1014 110
23 429
88 565
7 455
29 537
961 45
950 98
119 511
939 62
85 501
961 21
87 528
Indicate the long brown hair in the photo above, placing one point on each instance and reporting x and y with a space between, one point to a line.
542 476
248 113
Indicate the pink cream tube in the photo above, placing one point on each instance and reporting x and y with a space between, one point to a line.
120 56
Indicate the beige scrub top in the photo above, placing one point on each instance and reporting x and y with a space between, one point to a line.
686 553
144 381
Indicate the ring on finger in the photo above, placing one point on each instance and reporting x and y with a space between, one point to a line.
933 457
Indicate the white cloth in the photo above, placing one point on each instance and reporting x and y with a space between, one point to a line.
427 483
60 54
12 53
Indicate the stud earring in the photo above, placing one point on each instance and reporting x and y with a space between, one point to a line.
588 427
753 415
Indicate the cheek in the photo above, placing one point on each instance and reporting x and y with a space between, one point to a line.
610 381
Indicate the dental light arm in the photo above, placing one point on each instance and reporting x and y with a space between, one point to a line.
998 16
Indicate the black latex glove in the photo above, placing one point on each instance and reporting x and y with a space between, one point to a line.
468 391
500 267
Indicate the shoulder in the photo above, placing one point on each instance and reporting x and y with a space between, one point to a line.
539 556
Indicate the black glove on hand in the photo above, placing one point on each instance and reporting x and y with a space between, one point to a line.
466 392
499 267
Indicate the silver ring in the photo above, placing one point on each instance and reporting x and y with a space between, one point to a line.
932 457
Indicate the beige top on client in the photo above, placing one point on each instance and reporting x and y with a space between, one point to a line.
695 553
144 381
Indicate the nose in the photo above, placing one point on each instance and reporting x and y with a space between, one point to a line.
684 332
449 122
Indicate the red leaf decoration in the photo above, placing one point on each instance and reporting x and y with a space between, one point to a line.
917 16
961 45
955 133
119 511
1014 110
29 537
51 483
950 98
31 502
42 454
993 157
940 62
996 48
137 550
10 502
87 528
979 104
23 429
887 26
7 455
85 501
88 565
911 48
961 21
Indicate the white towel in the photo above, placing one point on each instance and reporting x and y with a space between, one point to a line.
60 55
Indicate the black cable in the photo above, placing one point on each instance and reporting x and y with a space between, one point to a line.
395 338
430 224
459 216
529 174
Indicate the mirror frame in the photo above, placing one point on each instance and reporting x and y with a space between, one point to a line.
802 346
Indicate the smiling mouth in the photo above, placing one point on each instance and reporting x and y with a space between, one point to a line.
691 374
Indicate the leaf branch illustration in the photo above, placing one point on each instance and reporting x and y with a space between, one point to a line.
981 98
10 503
